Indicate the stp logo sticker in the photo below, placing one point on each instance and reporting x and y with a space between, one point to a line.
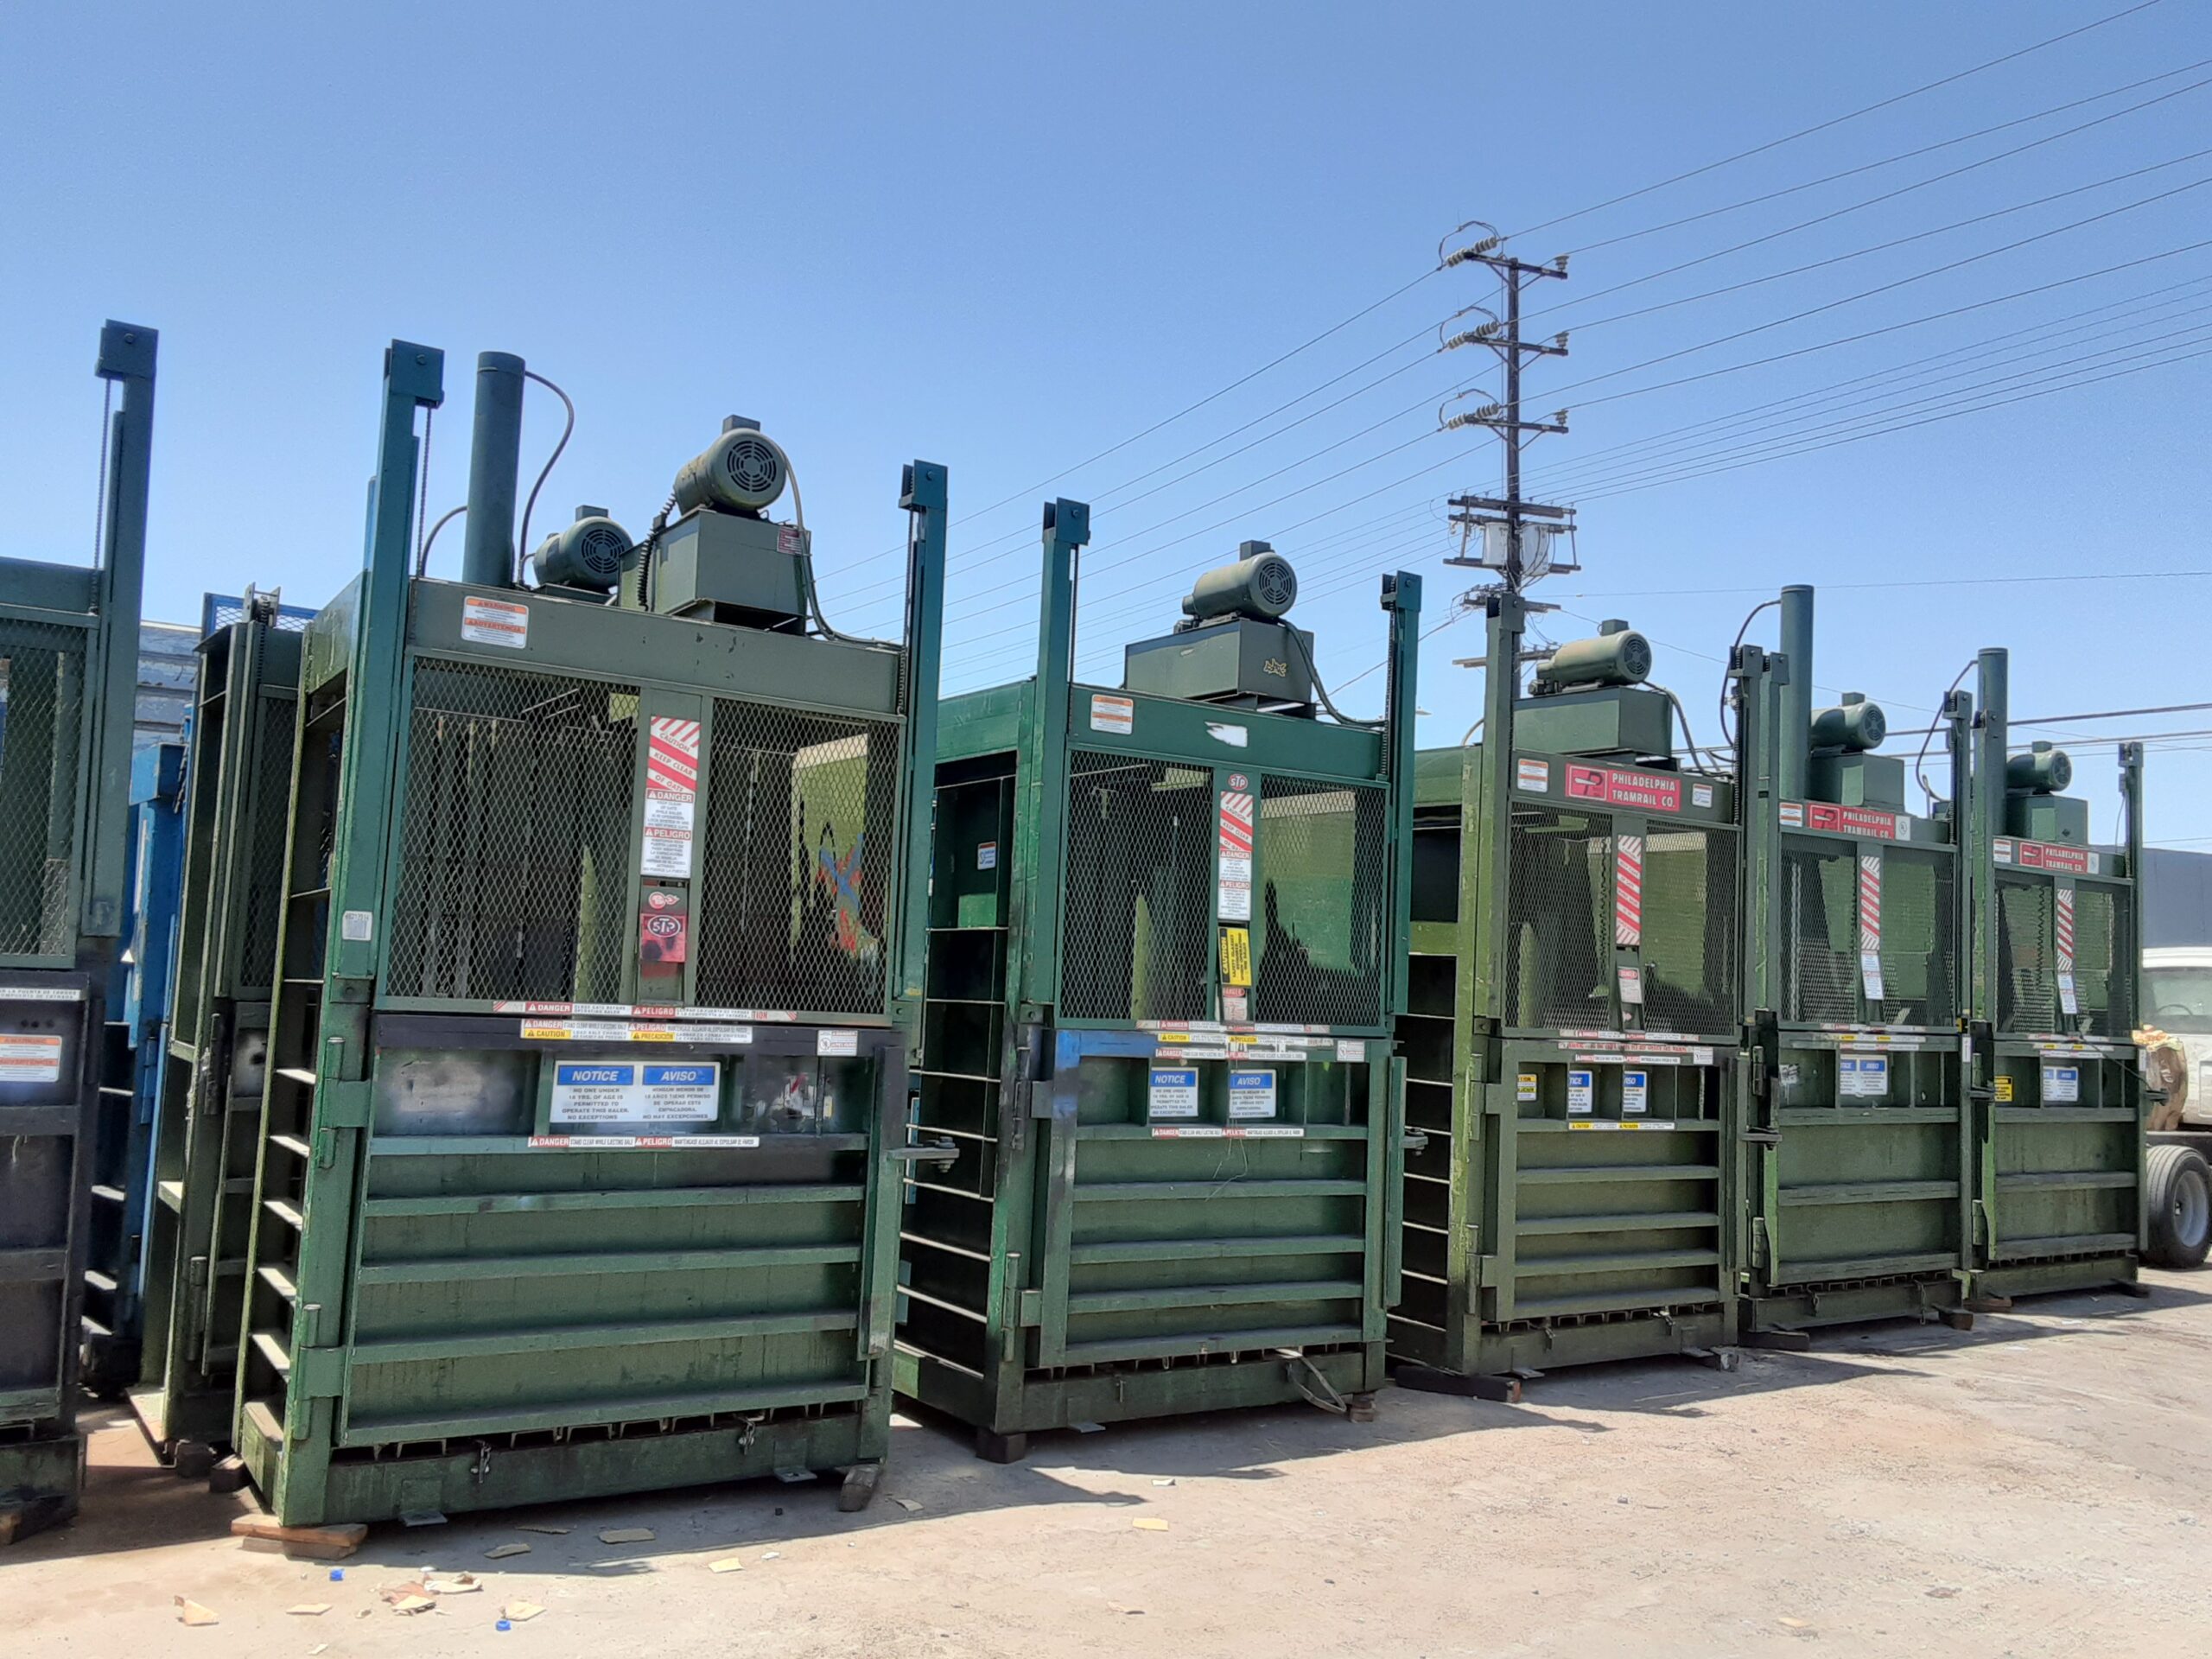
1238 780
664 932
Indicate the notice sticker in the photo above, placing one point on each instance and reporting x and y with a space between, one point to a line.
25 1059
2062 1085
1534 776
987 855
1174 1091
598 1092
680 1093
494 622
1237 955
1862 1076
1581 1093
1700 794
836 1042
358 925
1115 715
1524 1088
1635 1093
1351 1048
1251 1094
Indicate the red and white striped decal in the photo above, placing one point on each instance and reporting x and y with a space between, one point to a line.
672 761
1236 824
1628 890
1870 901
2063 918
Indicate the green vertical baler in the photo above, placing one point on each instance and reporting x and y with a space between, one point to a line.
1573 1038
1859 1137
596 977
207 1132
2058 1198
1165 954
68 684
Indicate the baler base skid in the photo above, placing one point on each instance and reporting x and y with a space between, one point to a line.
1044 1404
1426 1379
168 1421
39 1483
477 1475
2116 1273
1784 1309
1780 1339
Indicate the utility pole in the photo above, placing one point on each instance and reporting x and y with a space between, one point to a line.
1501 521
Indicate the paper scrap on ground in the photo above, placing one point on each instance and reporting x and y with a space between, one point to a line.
531 1526
1144 1524
191 1612
727 1564
423 1518
309 1608
500 1552
519 1611
626 1535
907 1504
451 1584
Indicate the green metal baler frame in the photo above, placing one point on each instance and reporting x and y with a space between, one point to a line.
1571 1202
1108 1248
1858 1134
245 720
2060 1092
68 674
457 1300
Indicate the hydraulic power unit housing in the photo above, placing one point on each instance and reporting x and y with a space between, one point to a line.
245 723
1858 1138
598 969
68 678
2057 951
1573 1034
1166 954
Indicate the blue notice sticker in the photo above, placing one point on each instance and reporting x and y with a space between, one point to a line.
1174 1093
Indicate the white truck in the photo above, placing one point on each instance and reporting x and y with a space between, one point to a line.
2178 1012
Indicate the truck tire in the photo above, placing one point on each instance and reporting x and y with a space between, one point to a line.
2180 1199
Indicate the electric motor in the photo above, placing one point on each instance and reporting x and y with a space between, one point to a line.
742 471
2042 771
1261 585
587 554
1619 655
1855 727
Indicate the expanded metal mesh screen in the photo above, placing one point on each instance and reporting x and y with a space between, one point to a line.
41 734
798 860
2104 948
1689 928
1323 866
1919 936
515 859
1559 946
1136 929
1819 932
271 783
2027 966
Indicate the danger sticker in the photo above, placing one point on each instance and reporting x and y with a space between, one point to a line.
1648 791
494 622
1534 776
1237 811
671 797
26 1058
1115 715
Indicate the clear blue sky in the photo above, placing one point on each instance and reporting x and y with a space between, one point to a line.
1007 239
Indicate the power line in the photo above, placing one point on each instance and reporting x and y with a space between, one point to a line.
1837 121
1946 582
1887 161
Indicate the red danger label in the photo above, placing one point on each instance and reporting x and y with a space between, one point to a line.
1647 791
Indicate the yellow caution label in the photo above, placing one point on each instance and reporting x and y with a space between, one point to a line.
1526 1086
2003 1091
1237 955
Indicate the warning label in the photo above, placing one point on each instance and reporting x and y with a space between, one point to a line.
1251 1094
30 1059
1237 955
494 622
671 797
1237 810
1535 776
1174 1091
1115 715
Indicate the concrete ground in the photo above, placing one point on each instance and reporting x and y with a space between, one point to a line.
2040 1485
